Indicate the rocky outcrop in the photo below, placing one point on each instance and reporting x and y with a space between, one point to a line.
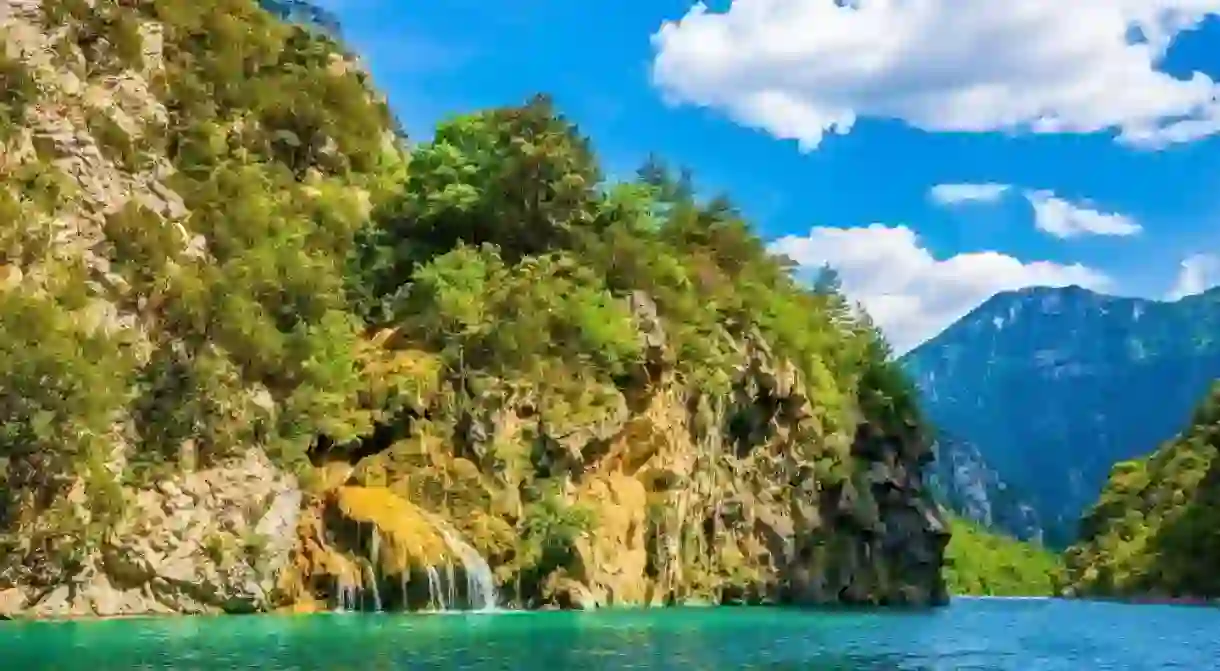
670 495
211 541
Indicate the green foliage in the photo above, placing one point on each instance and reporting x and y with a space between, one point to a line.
519 178
549 530
979 562
64 378
17 91
269 136
106 34
488 315
115 143
65 381
559 252
1155 529
276 142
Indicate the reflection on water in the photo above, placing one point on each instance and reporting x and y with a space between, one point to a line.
976 634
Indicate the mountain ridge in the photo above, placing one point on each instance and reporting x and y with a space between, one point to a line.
1092 378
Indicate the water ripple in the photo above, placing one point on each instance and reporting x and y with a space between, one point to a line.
977 635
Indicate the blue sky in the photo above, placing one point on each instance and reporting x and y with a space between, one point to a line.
830 126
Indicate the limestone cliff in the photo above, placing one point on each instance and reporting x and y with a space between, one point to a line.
255 353
658 494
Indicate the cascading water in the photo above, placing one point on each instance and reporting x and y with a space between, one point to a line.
436 595
451 584
374 562
480 584
376 591
347 595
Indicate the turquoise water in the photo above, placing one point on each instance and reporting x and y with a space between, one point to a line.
979 635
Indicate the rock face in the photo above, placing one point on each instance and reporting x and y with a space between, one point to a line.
681 497
212 541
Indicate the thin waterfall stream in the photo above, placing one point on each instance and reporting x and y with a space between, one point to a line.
375 561
480 583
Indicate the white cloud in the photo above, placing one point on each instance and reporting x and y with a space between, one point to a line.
956 194
1198 273
1064 219
911 294
802 68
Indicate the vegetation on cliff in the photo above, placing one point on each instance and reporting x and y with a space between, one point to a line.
216 241
980 562
1155 530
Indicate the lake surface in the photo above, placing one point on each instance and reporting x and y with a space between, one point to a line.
973 634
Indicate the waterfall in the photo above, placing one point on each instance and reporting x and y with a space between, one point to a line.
374 562
374 589
451 584
480 584
435 595
347 595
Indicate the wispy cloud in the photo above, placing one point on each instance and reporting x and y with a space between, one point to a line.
956 194
1065 219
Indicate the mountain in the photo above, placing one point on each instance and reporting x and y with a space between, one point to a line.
1155 529
1055 385
257 353
964 482
303 13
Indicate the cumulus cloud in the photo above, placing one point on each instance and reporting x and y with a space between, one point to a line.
1065 219
911 294
800 69
957 194
1197 273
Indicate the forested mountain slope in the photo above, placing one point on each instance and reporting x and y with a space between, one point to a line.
257 353
1155 530
980 562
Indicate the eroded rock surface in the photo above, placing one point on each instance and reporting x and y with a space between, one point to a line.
211 541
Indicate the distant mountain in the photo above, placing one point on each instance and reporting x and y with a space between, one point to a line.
1055 385
301 12
967 485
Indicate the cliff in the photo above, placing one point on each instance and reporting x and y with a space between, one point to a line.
1053 386
1155 530
256 354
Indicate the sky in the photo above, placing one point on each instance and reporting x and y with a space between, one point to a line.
935 152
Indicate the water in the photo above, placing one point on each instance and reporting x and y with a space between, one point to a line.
435 595
976 635
374 562
480 584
